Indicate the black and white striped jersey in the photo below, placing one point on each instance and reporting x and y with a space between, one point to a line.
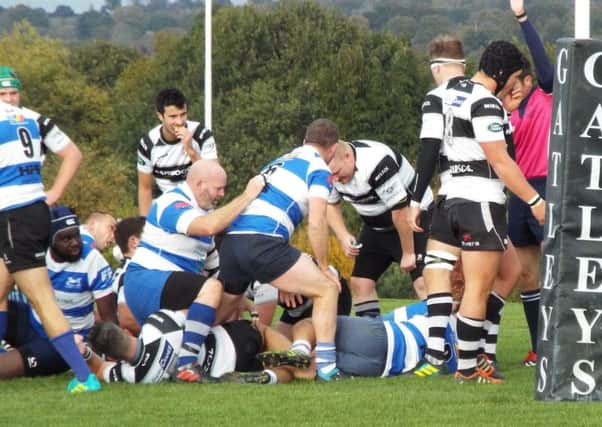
382 182
432 131
472 116
168 161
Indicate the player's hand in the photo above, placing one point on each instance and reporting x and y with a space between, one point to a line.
185 136
408 262
512 99
51 197
290 299
539 212
350 246
414 219
255 185
517 6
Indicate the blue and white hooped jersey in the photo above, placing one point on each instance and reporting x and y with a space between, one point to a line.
164 244
292 180
407 332
87 237
21 134
76 286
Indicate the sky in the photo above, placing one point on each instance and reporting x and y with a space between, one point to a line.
78 6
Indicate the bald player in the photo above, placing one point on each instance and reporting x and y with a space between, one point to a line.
167 269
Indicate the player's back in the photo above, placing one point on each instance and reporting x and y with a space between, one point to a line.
292 180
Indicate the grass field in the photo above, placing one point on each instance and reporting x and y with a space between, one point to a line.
401 401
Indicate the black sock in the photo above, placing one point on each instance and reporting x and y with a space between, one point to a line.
491 326
531 307
367 308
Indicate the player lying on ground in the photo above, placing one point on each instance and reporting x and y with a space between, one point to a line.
228 354
370 347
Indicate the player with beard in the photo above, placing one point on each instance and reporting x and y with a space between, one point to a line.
80 278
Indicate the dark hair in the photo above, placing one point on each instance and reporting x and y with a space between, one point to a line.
126 228
170 96
499 60
322 132
446 46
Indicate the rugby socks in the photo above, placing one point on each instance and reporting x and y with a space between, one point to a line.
439 307
198 323
301 346
326 358
66 347
491 326
531 307
469 336
369 308
3 323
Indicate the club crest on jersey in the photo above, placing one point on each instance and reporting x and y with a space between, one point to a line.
16 118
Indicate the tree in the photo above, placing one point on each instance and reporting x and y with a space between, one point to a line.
94 25
63 11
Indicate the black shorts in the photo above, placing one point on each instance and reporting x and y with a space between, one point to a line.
24 234
381 248
248 257
472 226
39 356
248 343
523 228
180 290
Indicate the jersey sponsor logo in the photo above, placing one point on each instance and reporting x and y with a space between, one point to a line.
457 101
170 173
381 173
165 357
490 106
182 205
29 170
495 127
145 359
460 169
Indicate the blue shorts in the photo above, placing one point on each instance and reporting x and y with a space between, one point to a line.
147 291
247 257
40 358
143 290
361 346
523 228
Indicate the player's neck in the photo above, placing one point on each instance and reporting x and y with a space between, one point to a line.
483 79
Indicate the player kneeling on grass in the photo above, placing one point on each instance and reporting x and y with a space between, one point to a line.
370 347
227 355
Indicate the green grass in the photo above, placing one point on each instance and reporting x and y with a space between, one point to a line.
367 402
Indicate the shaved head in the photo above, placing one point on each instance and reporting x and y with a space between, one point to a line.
207 180
205 170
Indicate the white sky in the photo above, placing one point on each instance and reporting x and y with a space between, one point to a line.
78 6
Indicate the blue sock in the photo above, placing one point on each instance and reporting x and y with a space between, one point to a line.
326 357
3 323
65 346
198 322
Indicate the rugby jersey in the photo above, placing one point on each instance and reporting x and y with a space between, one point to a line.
407 331
432 128
167 161
472 116
164 244
23 136
76 286
382 181
291 181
